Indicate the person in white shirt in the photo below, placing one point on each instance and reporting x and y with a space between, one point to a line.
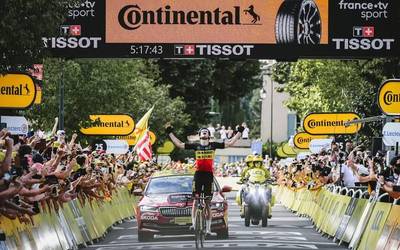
349 174
211 129
245 134
222 133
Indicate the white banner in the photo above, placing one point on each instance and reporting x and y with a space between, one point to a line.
116 147
16 125
391 133
317 145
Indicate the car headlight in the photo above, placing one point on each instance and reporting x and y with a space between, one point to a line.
148 209
217 205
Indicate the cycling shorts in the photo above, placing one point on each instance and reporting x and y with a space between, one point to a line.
202 181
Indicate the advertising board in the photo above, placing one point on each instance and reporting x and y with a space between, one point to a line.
231 29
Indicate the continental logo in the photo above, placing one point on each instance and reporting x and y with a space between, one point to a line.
119 125
205 155
389 97
325 123
21 90
330 124
17 91
111 124
132 17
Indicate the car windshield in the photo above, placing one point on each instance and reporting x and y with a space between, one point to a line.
170 184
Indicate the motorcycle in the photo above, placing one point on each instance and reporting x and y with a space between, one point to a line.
255 200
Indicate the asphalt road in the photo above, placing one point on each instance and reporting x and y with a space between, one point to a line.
285 231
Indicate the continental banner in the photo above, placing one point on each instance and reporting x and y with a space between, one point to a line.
113 124
330 123
302 140
389 97
17 91
285 29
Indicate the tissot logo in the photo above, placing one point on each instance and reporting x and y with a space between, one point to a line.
213 50
132 17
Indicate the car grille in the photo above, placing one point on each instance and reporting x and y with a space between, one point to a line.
175 212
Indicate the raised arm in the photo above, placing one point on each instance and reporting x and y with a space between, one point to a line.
178 143
232 141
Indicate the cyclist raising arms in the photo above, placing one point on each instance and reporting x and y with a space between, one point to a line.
204 154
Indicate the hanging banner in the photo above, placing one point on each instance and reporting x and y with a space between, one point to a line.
389 97
117 147
17 91
132 138
330 123
118 124
391 133
317 145
229 29
302 140
16 125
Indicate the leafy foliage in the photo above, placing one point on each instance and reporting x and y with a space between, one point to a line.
199 81
106 86
22 26
336 86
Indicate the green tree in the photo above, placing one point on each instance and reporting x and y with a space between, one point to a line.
106 86
22 26
200 81
336 86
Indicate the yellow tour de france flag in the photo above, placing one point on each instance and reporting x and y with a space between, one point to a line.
142 125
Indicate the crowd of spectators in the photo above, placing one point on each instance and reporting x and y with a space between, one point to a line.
352 167
227 132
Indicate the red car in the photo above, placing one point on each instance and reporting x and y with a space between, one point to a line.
166 205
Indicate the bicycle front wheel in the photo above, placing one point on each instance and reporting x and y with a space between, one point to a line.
198 230
203 230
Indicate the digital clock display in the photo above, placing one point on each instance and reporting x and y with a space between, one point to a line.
146 50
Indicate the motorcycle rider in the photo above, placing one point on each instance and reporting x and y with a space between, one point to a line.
257 173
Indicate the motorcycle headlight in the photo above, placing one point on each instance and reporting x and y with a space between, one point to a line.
148 209
217 205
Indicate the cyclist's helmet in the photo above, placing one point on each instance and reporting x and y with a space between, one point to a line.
204 133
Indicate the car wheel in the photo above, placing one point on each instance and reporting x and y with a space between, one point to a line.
144 236
298 22
246 216
223 234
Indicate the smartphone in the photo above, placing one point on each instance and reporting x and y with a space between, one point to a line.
51 179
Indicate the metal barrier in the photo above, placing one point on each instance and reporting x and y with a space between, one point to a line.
344 214
73 225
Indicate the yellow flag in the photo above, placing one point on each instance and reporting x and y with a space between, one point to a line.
142 125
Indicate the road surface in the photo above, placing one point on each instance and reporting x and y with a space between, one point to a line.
285 231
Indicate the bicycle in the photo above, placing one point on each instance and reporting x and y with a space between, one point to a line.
200 220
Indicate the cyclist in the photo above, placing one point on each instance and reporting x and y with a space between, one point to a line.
204 155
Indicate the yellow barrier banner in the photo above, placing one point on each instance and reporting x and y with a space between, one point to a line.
375 226
354 220
71 226
390 237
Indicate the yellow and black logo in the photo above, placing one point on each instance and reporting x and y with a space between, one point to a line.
16 91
